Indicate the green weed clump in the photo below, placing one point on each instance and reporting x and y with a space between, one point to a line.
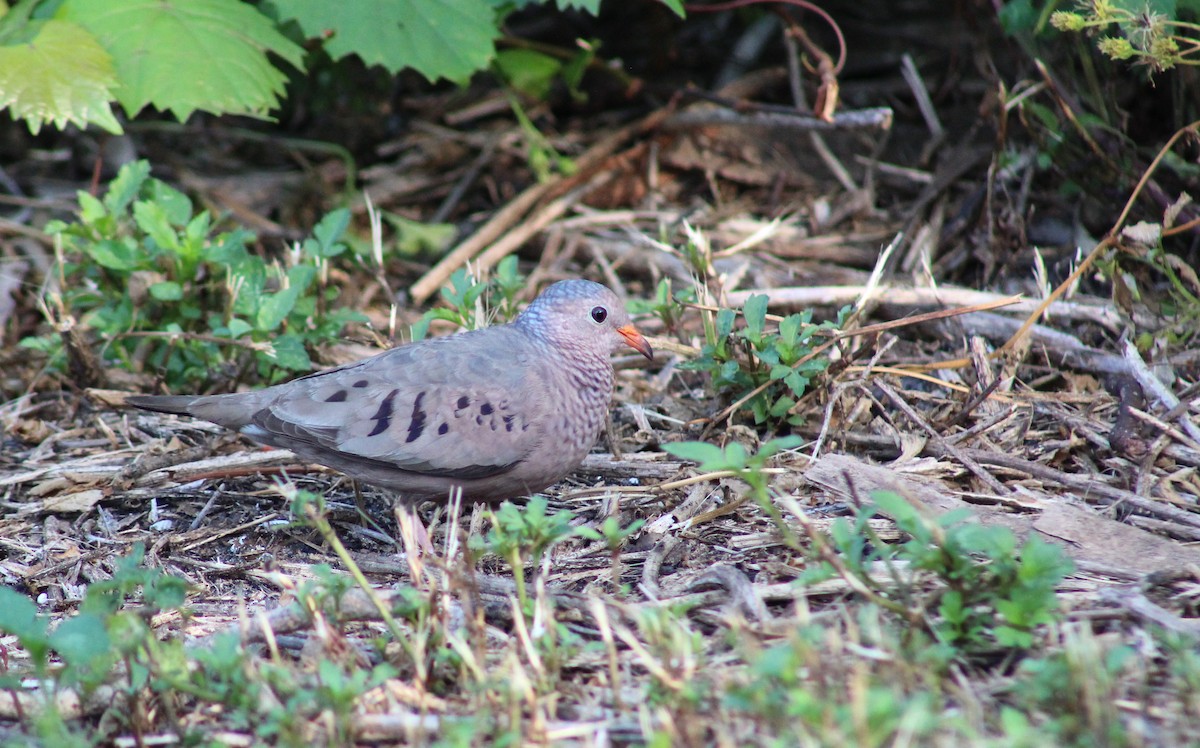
767 370
166 291
969 585
472 302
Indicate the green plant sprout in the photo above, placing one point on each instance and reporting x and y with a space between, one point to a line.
743 360
752 468
990 593
91 645
1148 36
521 535
666 306
614 536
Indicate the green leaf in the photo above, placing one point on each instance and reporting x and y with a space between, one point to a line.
124 189
329 230
116 254
176 206
781 406
725 318
415 237
184 55
447 39
701 452
734 456
152 219
60 74
90 211
779 444
755 312
588 6
239 327
80 639
789 328
274 308
1007 636
895 506
18 615
951 607
167 291
676 7
290 353
529 71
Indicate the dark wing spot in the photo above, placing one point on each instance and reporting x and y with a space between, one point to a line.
362 383
478 420
443 429
486 409
337 397
416 426
463 402
508 422
383 416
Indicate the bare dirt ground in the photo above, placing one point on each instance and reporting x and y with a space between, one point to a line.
1069 414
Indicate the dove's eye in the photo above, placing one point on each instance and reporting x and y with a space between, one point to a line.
599 314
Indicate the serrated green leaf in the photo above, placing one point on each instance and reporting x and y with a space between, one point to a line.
448 39
789 328
755 312
797 383
290 354
185 55
62 75
152 219
781 407
329 230
90 211
176 206
124 189
587 6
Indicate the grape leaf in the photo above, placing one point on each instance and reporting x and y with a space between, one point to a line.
184 55
59 73
448 39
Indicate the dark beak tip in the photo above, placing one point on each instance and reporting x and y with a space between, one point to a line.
636 341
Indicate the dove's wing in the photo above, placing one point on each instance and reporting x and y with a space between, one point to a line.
440 407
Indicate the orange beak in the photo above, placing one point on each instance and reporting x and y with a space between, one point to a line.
636 341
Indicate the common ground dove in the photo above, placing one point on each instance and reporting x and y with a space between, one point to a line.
500 412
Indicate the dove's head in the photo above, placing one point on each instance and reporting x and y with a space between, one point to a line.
582 315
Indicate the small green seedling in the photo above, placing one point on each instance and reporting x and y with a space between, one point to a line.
522 535
780 362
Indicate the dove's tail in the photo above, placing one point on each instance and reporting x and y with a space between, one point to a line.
231 411
178 404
